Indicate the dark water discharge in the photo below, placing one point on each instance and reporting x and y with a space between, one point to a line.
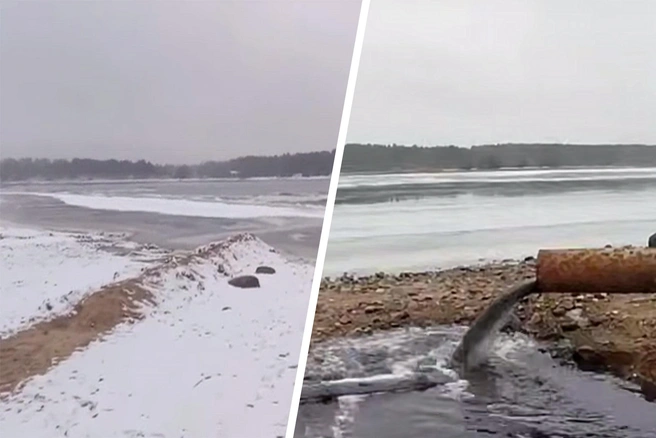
521 392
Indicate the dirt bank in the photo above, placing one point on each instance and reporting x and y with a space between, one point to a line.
601 332
35 350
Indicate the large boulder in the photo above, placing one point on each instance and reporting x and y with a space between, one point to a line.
265 270
245 281
652 241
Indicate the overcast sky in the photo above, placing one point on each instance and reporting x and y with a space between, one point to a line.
173 81
469 72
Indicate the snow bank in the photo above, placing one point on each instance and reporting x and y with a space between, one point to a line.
208 359
44 274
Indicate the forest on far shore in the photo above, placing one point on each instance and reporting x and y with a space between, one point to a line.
358 158
305 164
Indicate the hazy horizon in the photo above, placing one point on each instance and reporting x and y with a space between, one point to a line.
173 82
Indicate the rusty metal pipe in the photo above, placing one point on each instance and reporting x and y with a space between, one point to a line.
611 270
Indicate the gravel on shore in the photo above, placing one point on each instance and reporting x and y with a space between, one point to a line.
600 332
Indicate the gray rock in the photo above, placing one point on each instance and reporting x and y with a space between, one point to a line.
576 318
265 270
652 241
245 281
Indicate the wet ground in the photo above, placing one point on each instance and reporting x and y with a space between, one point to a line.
522 392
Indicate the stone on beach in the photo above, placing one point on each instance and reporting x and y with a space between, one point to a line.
265 270
245 282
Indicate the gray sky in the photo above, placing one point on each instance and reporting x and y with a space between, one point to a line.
173 81
469 72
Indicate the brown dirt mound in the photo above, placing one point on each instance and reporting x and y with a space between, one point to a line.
351 306
34 350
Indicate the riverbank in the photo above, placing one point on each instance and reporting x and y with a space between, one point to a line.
597 331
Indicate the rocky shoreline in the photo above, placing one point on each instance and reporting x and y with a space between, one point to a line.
600 332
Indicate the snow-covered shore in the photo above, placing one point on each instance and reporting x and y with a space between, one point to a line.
207 359
44 274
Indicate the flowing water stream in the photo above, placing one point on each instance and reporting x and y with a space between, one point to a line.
520 392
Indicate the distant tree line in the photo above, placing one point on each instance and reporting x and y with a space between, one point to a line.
357 158
305 164
396 158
